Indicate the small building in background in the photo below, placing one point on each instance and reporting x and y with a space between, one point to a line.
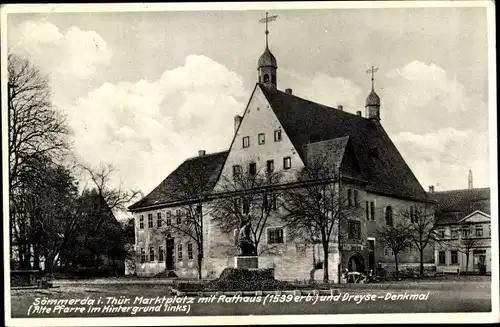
463 230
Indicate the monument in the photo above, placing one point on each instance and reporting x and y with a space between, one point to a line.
247 257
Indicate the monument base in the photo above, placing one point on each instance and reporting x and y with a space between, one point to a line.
247 262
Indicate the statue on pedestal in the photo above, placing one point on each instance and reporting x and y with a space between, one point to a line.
245 243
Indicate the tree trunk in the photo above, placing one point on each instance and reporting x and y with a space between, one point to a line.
325 262
396 261
421 263
200 260
36 257
467 263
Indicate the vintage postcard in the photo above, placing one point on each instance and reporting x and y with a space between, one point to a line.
249 163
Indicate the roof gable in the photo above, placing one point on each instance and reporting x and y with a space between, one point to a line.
378 158
476 217
202 172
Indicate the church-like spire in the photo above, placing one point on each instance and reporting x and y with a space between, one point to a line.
267 64
372 104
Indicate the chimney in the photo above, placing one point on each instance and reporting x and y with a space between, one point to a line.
237 122
470 180
341 107
201 153
431 189
288 91
358 113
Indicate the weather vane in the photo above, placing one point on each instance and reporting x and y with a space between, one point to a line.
372 70
266 20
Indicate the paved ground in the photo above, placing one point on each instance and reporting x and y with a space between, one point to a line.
444 296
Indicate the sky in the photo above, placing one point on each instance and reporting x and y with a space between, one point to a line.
143 91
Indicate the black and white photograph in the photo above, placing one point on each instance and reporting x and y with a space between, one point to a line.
249 163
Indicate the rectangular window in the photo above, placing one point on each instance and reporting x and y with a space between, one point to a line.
388 251
454 233
275 235
237 205
179 252
349 197
287 163
274 205
141 222
372 210
169 218
270 166
465 232
355 198
479 230
246 206
252 168
454 257
151 254
265 202
178 220
442 233
367 210
236 171
442 257
246 141
354 230
160 253
262 138
190 251
143 255
158 220
277 135
150 220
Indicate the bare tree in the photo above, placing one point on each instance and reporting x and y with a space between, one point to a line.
397 238
315 203
467 243
421 225
35 127
37 134
247 196
190 188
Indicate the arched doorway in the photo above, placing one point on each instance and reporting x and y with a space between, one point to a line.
356 263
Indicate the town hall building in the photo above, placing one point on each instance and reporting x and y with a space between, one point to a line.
280 132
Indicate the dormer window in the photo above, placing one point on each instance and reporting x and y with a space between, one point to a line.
246 141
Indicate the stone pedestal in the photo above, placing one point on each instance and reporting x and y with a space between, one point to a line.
246 262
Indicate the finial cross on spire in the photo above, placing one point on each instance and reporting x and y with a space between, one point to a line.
372 70
266 20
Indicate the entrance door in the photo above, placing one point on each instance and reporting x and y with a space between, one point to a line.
371 256
482 264
169 259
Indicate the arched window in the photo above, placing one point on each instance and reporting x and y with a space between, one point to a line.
266 78
388 216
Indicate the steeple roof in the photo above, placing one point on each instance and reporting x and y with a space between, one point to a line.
267 59
372 99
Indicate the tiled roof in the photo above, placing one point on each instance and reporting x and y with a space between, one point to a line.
451 206
379 160
206 167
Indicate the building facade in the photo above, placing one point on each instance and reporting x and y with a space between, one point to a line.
464 231
280 132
